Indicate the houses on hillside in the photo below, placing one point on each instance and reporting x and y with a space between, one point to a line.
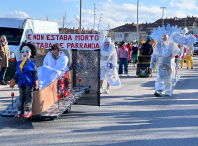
128 32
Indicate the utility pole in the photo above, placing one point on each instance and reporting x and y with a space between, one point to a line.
80 15
94 16
99 22
137 19
185 20
162 14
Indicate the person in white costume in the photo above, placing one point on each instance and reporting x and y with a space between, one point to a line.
108 63
54 64
164 54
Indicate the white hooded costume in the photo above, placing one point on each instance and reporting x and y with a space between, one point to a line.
109 57
52 69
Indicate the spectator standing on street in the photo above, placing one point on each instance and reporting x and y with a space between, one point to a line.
147 48
116 46
134 53
129 47
181 61
123 58
189 57
5 55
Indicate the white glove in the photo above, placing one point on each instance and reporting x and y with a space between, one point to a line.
152 66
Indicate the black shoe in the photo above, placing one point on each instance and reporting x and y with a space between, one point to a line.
3 83
191 67
187 67
158 93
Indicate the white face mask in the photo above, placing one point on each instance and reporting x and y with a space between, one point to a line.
26 52
134 45
165 43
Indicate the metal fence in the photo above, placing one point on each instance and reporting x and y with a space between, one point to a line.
86 65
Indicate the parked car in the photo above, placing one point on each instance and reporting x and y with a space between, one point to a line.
16 29
196 48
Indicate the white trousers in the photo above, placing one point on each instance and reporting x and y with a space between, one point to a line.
163 84
103 72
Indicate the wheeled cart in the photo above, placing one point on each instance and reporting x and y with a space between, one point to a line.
46 103
143 66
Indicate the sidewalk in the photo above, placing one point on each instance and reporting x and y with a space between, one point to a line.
4 86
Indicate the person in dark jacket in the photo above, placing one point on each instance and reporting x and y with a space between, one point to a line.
147 48
134 53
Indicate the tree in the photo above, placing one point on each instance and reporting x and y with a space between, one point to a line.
63 22
79 22
110 31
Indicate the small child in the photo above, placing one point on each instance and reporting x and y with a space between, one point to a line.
27 77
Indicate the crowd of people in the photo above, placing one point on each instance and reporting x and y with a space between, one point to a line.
128 53
113 55
119 54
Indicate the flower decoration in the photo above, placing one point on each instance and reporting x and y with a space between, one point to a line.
65 85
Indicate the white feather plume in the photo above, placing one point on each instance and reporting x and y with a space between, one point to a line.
184 31
190 39
182 40
160 31
176 37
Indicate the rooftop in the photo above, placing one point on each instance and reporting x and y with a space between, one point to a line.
180 22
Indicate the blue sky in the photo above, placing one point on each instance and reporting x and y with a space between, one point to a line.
115 12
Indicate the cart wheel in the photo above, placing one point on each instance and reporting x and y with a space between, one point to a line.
87 91
68 110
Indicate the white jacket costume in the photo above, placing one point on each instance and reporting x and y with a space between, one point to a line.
109 56
167 75
165 58
50 71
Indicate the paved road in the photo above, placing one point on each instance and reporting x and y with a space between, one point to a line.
128 116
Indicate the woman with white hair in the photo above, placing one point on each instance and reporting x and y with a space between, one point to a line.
108 63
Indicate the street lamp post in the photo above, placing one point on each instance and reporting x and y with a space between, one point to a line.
137 19
94 16
80 15
162 14
99 21
185 21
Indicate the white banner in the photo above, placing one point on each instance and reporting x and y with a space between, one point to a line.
66 41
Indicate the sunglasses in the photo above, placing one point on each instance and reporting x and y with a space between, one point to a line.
27 51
